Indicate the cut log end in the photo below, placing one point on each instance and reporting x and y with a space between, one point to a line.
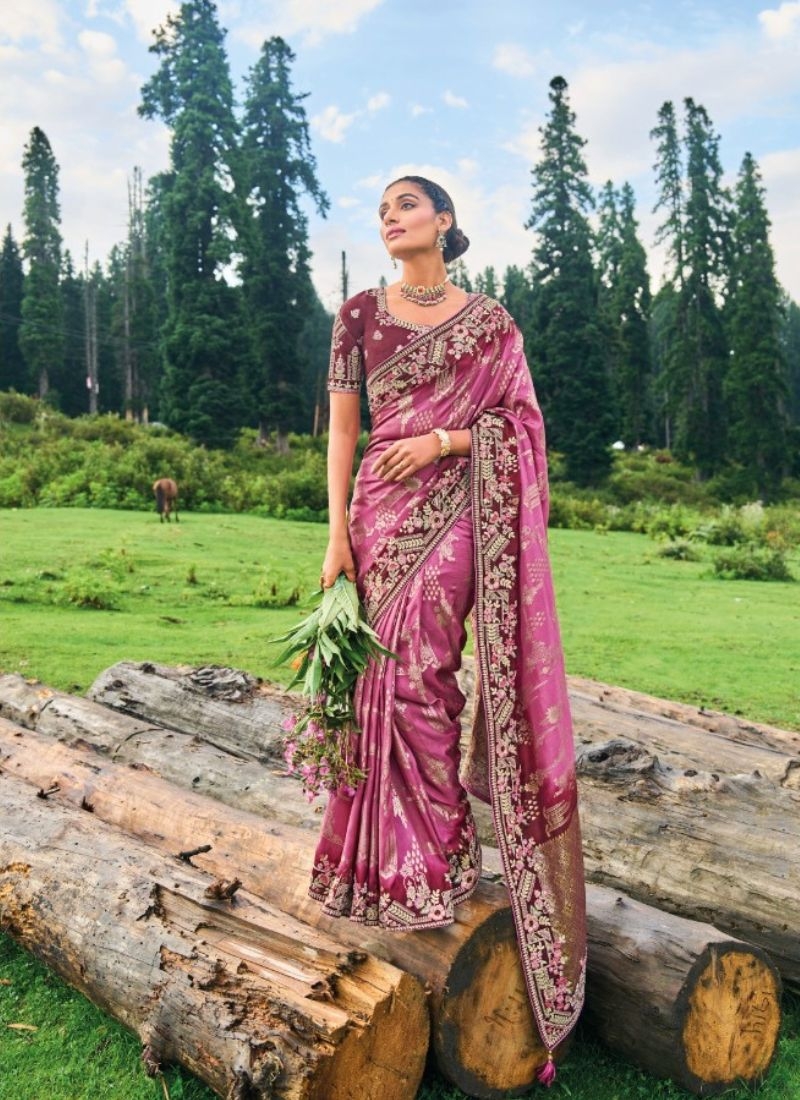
388 1059
484 1037
730 1029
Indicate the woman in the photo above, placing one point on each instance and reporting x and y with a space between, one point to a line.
449 512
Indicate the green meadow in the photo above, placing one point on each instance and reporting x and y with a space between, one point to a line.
81 589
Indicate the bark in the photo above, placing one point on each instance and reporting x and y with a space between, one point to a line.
244 996
675 997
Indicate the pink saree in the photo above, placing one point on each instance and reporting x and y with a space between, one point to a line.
460 534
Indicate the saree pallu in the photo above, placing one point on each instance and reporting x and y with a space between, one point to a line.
460 534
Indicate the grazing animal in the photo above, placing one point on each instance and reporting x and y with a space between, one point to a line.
166 491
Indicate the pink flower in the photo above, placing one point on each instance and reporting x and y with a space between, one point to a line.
289 722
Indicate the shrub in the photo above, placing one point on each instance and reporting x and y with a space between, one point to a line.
679 550
16 408
751 562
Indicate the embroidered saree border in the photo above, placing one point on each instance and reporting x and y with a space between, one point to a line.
420 533
532 866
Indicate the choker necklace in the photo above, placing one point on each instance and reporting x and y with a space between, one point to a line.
425 295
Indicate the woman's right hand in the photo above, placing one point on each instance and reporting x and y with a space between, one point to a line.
338 559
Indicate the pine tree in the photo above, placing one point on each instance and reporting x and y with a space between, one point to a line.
696 227
756 389
70 378
669 181
566 332
486 282
790 342
459 275
278 168
625 308
204 335
13 374
40 335
517 296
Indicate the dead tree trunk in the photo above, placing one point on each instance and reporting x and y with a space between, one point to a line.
705 846
232 710
472 962
675 997
709 847
244 996
664 991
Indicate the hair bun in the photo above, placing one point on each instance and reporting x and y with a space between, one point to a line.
457 244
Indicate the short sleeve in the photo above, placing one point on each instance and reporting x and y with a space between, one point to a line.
347 358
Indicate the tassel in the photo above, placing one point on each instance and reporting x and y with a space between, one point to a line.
546 1074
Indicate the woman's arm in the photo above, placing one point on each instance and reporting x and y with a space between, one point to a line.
345 424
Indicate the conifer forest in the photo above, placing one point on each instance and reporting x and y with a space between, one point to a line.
205 316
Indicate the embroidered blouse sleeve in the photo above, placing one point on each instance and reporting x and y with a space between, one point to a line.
346 366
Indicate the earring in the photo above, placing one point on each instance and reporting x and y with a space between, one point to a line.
441 241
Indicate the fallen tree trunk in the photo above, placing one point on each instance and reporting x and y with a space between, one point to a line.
487 1051
662 990
181 758
247 998
701 845
705 846
675 997
710 847
233 710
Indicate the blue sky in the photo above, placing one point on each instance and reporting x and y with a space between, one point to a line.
454 89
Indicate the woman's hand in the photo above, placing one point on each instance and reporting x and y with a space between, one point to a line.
338 559
404 457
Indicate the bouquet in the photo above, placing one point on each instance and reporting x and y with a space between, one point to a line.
329 650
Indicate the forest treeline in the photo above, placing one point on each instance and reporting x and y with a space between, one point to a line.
205 316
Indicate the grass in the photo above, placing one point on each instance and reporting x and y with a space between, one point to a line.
80 590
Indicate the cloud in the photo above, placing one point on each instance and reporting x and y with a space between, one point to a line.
311 20
100 50
513 59
34 21
347 201
781 23
333 124
147 15
417 109
453 100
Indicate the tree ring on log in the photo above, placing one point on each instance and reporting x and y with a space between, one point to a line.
468 1042
732 1017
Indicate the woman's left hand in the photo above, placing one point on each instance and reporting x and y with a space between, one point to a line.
406 456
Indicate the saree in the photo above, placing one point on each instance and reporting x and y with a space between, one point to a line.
461 535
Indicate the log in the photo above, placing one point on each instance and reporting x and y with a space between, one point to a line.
713 848
702 845
253 1002
483 1035
677 998
182 758
235 711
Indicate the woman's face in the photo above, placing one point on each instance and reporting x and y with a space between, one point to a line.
409 222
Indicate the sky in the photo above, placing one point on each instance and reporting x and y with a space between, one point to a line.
453 89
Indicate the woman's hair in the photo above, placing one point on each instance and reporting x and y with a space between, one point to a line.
456 242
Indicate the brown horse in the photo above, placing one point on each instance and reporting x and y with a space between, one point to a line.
166 491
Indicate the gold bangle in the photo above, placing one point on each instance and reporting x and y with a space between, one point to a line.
444 439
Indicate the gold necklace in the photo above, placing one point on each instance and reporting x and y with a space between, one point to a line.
425 295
